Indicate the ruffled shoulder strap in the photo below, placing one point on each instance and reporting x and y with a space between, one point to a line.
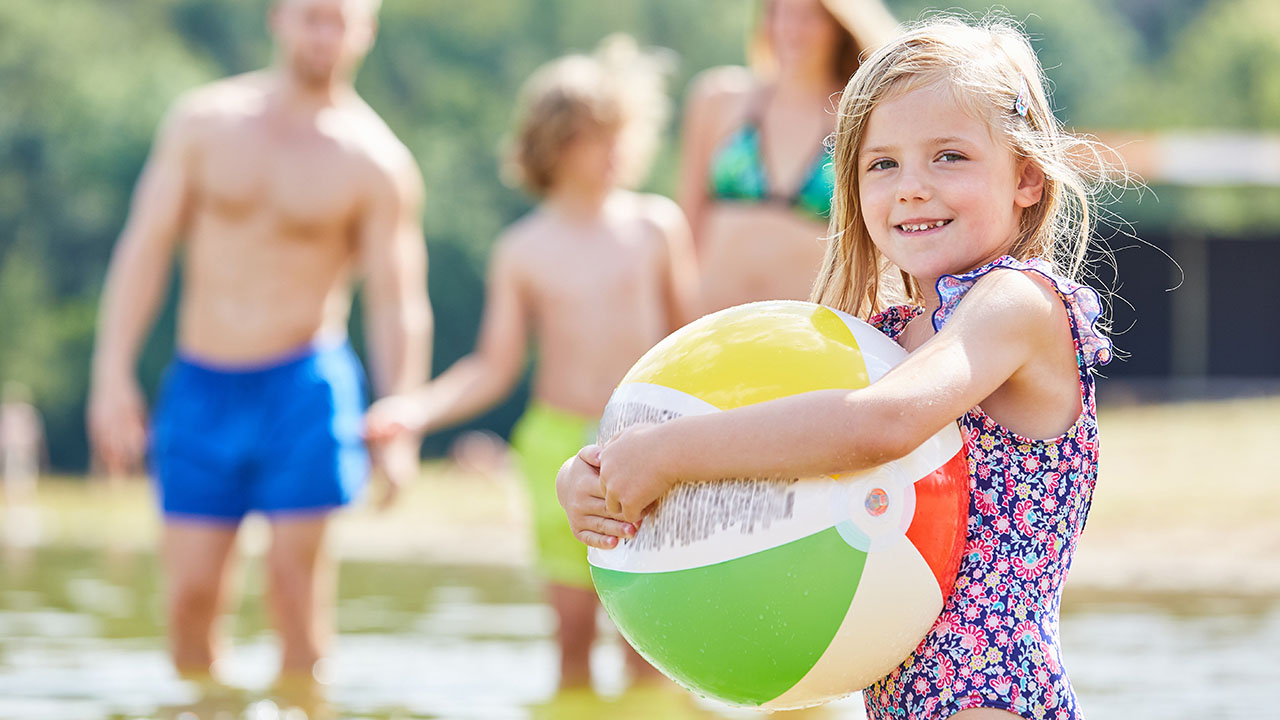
893 320
1084 305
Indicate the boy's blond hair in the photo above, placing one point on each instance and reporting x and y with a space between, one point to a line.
619 87
993 72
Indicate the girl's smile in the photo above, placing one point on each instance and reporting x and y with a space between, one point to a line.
918 227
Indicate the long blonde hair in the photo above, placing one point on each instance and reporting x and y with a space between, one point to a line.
990 67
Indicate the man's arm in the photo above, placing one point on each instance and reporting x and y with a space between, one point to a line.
476 382
398 319
135 286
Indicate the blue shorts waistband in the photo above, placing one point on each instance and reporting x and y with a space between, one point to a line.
283 361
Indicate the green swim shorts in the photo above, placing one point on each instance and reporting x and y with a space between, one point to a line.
543 439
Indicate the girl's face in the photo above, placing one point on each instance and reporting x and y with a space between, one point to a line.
940 192
802 33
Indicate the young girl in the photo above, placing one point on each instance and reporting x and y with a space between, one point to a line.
953 175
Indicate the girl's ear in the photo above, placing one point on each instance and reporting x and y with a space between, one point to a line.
1030 184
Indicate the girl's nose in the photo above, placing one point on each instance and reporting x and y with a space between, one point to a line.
911 187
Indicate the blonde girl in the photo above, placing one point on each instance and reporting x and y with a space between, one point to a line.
959 227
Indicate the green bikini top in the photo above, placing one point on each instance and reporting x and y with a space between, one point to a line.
737 173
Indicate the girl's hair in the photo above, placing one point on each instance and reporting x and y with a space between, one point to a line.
618 87
994 73
867 24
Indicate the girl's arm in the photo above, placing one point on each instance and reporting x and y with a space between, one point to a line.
1006 320
476 382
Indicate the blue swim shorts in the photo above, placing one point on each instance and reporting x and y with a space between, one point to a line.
282 437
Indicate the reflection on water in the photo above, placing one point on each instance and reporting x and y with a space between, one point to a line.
1175 657
81 637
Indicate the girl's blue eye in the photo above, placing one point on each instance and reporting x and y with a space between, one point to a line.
883 165
950 157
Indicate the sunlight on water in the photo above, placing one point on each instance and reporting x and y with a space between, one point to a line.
1193 657
80 637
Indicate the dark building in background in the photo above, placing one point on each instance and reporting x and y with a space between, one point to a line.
1199 302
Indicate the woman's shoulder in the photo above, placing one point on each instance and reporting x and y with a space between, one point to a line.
724 90
724 81
719 100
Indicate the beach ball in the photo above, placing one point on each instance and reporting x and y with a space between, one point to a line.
789 592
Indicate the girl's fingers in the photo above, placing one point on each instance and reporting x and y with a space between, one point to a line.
590 454
596 540
632 515
595 505
615 506
612 505
608 526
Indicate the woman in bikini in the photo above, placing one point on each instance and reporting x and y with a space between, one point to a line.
755 178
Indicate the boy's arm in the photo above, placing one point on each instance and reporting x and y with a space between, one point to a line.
481 379
1008 320
398 319
393 254
680 277
136 282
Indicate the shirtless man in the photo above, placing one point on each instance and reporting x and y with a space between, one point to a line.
597 275
285 186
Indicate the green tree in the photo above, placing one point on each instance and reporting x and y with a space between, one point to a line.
84 86
1221 72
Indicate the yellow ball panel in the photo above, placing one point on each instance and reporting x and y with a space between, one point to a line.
809 348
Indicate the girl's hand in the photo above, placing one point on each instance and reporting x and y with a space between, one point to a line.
630 475
578 488
394 417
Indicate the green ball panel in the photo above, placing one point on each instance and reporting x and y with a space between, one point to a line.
743 631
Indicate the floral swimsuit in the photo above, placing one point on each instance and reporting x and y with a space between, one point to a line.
995 645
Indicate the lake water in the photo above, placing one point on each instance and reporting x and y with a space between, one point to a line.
81 637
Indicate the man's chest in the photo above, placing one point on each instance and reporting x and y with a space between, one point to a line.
302 180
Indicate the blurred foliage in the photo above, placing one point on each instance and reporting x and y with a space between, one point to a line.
83 84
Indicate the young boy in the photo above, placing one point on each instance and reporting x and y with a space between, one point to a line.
596 274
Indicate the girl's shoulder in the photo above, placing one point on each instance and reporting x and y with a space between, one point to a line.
1083 304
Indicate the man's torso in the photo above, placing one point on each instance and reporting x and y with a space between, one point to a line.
273 213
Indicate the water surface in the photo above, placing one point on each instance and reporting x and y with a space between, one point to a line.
81 637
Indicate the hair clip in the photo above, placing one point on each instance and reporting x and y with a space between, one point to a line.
1020 103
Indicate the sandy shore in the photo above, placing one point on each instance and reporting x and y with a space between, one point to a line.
1188 501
